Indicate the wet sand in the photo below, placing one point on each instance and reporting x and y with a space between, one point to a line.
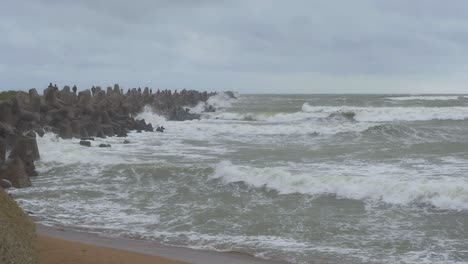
57 245
57 251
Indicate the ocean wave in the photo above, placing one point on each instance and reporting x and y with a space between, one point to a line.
149 116
426 98
218 101
378 183
351 113
385 114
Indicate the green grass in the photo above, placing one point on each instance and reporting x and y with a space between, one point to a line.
7 95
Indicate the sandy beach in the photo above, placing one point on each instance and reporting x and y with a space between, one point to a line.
57 251
59 246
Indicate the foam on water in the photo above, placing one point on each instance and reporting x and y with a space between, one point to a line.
426 98
218 101
361 114
389 184
387 114
149 116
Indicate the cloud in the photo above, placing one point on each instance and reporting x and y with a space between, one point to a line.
255 46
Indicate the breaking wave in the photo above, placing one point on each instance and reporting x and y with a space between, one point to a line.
426 98
377 183
362 114
218 101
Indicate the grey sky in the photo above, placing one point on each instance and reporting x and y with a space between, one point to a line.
361 46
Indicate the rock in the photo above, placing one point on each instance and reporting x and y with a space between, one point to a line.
14 171
50 96
65 128
5 184
17 234
2 151
39 131
104 145
35 100
87 138
126 142
6 113
108 131
85 143
100 134
25 147
138 131
84 98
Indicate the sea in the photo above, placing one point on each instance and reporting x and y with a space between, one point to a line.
294 178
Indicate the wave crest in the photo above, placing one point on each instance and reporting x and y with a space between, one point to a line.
380 183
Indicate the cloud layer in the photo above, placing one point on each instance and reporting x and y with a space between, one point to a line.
250 46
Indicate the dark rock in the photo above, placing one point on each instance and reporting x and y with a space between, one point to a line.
126 142
6 113
65 128
122 132
104 145
87 138
100 134
50 97
26 147
84 98
35 100
5 184
85 143
14 171
2 150
39 131
138 131
108 131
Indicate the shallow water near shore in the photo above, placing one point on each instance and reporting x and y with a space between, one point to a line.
338 178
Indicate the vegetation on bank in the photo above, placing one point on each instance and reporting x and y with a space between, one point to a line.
17 233
7 95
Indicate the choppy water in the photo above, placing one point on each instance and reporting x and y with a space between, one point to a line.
333 178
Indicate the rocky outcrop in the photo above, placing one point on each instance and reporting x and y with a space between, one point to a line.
17 234
85 143
14 170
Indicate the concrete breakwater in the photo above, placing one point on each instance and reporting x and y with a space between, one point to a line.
79 114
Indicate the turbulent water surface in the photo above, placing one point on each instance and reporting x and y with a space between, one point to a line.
334 178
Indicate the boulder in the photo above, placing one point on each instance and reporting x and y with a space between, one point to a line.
6 113
100 134
108 131
35 100
5 184
17 233
50 96
29 116
104 145
126 142
26 147
84 98
2 151
87 138
85 143
14 171
65 127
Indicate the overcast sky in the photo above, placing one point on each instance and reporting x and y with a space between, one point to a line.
359 46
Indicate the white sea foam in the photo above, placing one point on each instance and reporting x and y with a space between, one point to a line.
389 184
218 101
425 98
385 114
362 114
149 116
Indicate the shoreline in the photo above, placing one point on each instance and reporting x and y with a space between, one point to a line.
160 253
